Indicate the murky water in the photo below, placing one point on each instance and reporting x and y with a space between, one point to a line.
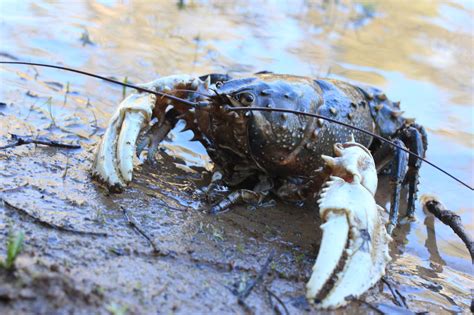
419 52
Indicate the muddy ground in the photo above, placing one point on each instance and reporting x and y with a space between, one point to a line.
81 255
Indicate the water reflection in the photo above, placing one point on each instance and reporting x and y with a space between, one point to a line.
437 262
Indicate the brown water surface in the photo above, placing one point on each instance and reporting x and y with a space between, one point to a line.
419 52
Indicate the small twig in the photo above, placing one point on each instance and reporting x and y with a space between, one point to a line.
369 305
36 73
134 224
86 39
66 168
396 294
22 140
451 219
95 126
66 94
49 103
164 204
72 133
403 298
49 224
273 295
252 283
13 188
270 301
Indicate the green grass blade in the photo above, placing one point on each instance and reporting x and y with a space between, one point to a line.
14 246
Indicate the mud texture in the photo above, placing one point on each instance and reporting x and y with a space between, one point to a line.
81 255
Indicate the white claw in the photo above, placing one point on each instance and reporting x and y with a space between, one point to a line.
333 243
126 147
104 165
114 158
354 247
135 110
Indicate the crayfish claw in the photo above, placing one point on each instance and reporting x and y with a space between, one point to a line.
354 248
126 146
113 163
110 164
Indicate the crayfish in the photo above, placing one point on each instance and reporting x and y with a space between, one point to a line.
262 153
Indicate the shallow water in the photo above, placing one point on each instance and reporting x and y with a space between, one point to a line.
418 52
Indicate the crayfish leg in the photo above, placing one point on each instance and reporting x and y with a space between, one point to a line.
404 169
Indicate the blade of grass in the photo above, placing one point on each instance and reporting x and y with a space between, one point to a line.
14 247
124 88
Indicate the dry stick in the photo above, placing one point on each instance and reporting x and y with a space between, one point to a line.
270 301
451 219
396 294
95 127
22 140
49 224
134 224
403 298
252 283
66 94
271 294
395 297
170 207
66 168
164 204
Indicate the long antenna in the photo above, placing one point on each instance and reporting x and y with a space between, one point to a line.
265 109
174 98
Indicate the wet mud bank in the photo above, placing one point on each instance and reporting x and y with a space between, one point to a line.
84 254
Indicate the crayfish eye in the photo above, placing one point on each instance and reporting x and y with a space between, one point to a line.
219 84
246 98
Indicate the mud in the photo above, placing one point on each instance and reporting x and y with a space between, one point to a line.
80 254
